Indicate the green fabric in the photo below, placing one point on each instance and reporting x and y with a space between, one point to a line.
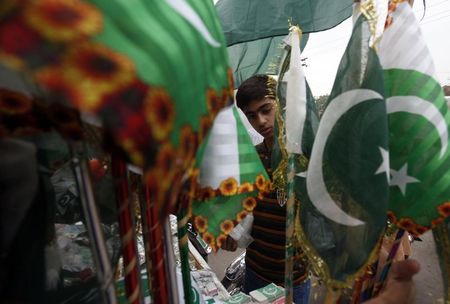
177 46
260 56
156 75
247 20
250 164
221 208
351 157
415 142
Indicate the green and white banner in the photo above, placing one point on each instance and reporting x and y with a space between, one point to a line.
344 213
231 175
418 158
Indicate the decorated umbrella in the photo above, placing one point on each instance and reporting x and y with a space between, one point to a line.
231 175
155 72
140 66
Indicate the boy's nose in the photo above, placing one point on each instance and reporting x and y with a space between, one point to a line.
261 119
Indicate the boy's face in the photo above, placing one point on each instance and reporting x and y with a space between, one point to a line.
261 115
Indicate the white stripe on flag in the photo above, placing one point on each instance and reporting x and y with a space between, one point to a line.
295 97
402 45
221 156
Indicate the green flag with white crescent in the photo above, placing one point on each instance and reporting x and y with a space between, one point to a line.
343 202
231 175
418 157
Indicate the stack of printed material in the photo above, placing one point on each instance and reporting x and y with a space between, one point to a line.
268 294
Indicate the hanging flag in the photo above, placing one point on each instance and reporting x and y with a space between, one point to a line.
261 56
344 213
231 175
418 158
308 118
247 20
290 126
155 72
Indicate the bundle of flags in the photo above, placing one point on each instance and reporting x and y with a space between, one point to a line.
380 150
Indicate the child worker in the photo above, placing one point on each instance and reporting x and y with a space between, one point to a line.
265 256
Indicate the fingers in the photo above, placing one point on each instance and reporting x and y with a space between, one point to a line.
404 270
400 288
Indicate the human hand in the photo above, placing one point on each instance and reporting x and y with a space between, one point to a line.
230 244
400 286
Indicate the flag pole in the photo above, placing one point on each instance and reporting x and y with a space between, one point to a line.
127 233
145 235
183 243
155 248
389 260
295 117
171 265
290 210
102 261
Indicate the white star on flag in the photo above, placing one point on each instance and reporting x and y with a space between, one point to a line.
301 174
384 167
401 179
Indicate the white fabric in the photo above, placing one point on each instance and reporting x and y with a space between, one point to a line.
402 45
254 135
221 157
295 97
183 8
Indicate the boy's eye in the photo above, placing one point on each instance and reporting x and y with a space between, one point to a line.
251 116
266 110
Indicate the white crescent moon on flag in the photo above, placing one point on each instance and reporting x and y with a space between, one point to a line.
317 190
424 108
187 12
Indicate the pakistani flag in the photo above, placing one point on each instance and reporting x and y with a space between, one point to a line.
302 121
156 72
231 175
247 20
418 158
343 214
261 56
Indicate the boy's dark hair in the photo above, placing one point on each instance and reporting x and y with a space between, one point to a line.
256 87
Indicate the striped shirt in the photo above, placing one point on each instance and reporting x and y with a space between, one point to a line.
266 254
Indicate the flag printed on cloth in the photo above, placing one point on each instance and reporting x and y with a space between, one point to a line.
155 72
248 20
294 120
230 177
261 56
343 215
418 156
305 120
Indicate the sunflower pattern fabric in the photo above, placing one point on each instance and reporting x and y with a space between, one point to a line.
156 72
230 176
23 114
